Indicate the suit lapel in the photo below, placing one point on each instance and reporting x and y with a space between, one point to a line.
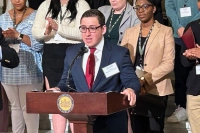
127 14
135 37
154 32
81 77
106 55
107 14
79 71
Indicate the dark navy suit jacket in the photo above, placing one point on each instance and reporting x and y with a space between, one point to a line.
111 54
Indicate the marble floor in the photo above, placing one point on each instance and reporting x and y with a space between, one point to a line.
181 127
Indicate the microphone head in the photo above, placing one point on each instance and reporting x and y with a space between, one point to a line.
84 49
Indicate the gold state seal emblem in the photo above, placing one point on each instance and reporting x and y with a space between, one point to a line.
65 103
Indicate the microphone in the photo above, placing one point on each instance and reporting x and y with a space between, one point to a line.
80 53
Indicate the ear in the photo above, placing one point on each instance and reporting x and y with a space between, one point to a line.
154 9
103 29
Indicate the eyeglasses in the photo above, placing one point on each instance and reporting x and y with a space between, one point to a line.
92 29
144 7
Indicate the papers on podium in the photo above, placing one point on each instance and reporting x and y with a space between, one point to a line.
188 39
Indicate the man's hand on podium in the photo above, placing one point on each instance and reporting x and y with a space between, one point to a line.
48 89
131 95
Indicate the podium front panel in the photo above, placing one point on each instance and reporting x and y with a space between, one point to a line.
83 103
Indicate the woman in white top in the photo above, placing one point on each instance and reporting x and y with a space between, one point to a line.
57 26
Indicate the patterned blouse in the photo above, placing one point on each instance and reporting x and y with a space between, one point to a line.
29 70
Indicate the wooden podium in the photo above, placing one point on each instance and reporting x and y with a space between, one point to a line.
85 106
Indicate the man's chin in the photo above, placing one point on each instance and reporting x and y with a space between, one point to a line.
89 44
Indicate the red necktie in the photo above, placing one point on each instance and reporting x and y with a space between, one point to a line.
90 68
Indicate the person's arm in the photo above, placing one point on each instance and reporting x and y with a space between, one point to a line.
196 52
187 27
13 33
127 74
167 63
73 32
172 14
129 79
27 38
9 56
185 59
34 44
39 25
190 56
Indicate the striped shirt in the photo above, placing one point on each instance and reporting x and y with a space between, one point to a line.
29 70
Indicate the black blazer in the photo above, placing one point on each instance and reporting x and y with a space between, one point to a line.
192 83
9 59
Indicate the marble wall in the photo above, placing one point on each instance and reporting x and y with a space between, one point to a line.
1 3
1 6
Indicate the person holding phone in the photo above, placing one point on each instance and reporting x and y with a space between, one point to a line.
191 58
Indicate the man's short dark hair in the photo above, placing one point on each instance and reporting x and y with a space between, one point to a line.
94 13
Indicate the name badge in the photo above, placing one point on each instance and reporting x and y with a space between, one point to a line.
185 12
57 37
198 69
110 70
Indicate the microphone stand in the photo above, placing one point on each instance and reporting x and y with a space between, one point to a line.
80 53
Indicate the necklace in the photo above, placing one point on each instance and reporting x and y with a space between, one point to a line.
111 27
141 48
185 5
14 18
62 16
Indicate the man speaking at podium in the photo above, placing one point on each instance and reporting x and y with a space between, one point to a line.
98 66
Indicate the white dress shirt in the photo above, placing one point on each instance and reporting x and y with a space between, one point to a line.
97 55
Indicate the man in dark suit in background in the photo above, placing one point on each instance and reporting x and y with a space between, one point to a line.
113 70
8 58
